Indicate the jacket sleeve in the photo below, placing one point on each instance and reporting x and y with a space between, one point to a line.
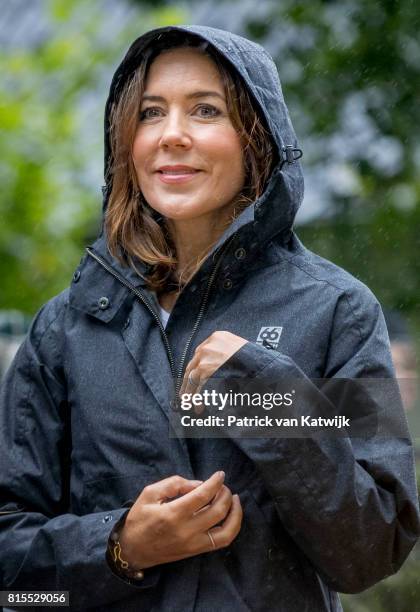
350 504
43 545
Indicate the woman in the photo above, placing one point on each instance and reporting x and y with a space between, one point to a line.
202 186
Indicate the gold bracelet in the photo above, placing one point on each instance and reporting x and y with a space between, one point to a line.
122 566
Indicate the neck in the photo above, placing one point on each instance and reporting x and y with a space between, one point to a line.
193 239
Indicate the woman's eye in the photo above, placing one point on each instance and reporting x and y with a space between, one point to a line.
208 111
149 113
204 110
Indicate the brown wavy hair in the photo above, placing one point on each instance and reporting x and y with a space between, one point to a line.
133 229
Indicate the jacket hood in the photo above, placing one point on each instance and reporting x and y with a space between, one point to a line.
274 212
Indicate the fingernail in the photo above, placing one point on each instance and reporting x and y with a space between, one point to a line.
221 475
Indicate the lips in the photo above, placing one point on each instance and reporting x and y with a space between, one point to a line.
177 170
176 174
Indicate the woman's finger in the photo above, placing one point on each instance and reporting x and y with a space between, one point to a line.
226 533
186 383
214 513
201 496
167 489
193 381
219 537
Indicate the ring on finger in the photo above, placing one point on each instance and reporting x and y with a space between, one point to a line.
213 543
191 380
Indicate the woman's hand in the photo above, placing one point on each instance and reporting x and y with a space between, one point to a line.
208 357
177 518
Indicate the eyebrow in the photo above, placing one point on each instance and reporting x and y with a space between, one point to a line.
195 94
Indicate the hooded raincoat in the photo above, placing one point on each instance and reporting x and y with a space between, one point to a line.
85 407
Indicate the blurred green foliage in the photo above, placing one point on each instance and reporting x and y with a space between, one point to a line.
48 206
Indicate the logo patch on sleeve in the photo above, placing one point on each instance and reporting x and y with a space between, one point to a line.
269 336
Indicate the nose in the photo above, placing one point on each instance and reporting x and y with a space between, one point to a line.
175 131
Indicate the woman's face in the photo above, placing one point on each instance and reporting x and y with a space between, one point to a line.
187 154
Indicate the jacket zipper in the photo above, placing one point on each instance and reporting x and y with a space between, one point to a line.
200 315
142 298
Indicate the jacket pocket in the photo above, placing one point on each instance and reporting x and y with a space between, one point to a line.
115 491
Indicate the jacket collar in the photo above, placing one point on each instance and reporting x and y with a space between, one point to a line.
95 291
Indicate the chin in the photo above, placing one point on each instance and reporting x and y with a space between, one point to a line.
181 211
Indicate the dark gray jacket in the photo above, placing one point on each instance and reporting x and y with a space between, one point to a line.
85 405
